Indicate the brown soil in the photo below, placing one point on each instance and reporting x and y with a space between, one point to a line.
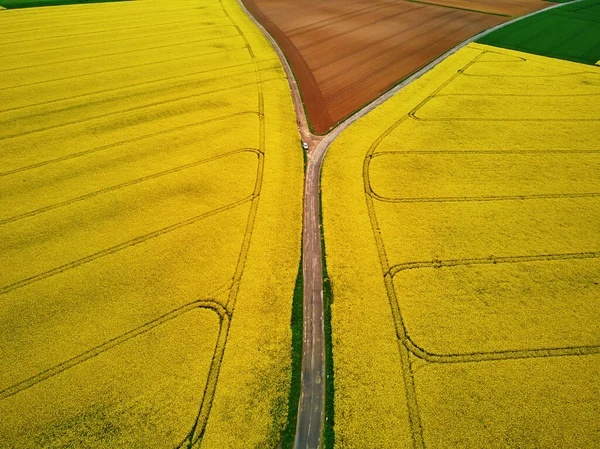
345 53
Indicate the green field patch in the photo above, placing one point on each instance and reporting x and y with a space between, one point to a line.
15 4
571 32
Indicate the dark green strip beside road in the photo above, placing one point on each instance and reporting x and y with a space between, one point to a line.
14 4
571 32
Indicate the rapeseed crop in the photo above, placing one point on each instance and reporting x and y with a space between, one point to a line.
461 220
149 154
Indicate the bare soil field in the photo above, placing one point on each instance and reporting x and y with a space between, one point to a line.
346 53
508 7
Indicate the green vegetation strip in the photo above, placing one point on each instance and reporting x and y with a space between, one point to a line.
328 425
287 439
571 32
14 4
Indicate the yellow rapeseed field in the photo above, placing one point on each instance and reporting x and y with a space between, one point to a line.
151 191
462 235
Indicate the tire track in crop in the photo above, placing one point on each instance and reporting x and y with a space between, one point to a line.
124 245
124 142
126 184
103 22
136 108
402 332
117 69
157 47
407 347
208 304
197 431
129 86
90 33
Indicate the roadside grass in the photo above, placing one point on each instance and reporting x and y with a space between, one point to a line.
329 424
571 32
289 433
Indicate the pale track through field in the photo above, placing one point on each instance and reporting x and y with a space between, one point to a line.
311 410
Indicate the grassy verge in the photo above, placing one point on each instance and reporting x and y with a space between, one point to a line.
14 4
287 438
328 426
287 441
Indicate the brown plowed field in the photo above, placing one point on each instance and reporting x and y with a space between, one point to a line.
345 53
508 7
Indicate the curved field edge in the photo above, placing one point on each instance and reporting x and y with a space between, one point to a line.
361 311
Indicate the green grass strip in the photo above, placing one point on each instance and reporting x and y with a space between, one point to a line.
328 425
287 438
571 32
15 4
